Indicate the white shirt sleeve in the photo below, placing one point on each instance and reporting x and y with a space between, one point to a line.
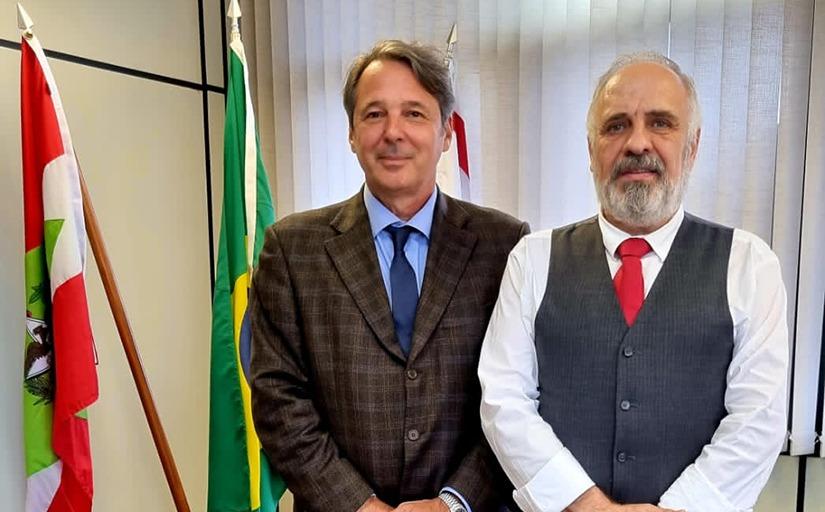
732 470
546 476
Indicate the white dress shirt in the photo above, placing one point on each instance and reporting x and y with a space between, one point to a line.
731 470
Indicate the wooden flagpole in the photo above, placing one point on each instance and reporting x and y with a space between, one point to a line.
128 341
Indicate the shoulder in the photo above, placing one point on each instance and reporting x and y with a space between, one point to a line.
313 224
749 250
308 219
486 223
304 233
588 223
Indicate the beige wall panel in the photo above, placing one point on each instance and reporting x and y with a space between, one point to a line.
141 146
212 16
779 494
158 36
12 296
815 485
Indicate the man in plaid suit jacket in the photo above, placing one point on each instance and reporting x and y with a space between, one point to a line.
349 417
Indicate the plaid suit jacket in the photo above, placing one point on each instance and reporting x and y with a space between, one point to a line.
340 412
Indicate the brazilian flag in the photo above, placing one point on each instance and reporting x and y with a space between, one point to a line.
240 478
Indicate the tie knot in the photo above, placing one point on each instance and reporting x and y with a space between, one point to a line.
399 236
636 247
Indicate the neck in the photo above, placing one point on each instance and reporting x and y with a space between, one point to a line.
636 229
403 206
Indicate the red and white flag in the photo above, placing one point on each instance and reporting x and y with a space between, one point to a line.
453 171
59 369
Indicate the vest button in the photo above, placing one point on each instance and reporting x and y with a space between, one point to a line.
628 351
413 435
621 457
412 374
625 405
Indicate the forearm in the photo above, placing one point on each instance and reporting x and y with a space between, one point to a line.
290 426
545 474
734 467
478 479
304 454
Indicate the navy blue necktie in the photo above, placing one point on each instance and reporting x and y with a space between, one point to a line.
404 288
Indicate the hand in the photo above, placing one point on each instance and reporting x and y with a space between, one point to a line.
594 500
373 504
433 505
644 507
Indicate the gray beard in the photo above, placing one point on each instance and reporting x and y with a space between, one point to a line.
642 204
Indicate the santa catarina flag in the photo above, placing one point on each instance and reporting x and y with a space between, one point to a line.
60 380
240 478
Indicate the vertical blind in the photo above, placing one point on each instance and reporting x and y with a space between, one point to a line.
526 71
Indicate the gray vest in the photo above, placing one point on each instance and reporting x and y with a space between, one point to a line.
635 405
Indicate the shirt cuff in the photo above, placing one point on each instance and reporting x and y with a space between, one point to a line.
693 492
459 496
558 484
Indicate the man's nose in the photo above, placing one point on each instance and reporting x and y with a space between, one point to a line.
639 141
393 129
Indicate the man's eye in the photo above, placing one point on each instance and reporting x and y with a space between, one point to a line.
662 123
614 127
415 113
373 114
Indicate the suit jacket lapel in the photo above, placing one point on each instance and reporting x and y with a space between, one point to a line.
449 252
354 257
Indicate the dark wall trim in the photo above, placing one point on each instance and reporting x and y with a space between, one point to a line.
800 484
123 70
207 151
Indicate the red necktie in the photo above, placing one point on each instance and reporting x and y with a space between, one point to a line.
628 282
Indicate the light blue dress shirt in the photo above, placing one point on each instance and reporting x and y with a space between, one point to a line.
418 245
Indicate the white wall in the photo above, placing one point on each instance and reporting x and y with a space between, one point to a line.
141 146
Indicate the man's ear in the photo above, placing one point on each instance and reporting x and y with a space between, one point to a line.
590 152
693 148
448 134
351 141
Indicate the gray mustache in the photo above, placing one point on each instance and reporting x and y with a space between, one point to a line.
646 162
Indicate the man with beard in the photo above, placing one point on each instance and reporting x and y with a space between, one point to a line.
637 360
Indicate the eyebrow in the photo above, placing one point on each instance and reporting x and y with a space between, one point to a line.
405 104
662 113
416 104
375 103
652 114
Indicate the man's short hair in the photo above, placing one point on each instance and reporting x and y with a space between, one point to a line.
428 64
622 62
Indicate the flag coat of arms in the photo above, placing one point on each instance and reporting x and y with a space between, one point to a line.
240 478
60 380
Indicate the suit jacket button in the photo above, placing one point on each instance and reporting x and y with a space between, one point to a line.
413 435
412 374
628 351
625 405
621 457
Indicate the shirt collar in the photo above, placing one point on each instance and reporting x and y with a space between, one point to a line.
660 240
381 217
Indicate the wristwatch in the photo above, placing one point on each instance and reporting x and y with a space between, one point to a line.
452 502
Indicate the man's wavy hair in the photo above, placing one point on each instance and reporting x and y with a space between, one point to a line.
428 64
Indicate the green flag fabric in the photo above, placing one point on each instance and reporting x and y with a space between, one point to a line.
240 479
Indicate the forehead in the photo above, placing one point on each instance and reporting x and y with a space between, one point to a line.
643 87
390 81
